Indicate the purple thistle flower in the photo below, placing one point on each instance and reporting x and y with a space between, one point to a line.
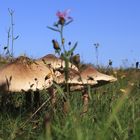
63 16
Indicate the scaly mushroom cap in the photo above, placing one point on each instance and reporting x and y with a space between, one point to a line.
89 76
91 73
24 74
74 78
55 62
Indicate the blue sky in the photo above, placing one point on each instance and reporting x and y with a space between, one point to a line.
114 24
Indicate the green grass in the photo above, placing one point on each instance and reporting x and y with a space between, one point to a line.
113 114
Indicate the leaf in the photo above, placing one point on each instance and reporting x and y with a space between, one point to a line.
58 51
75 45
59 89
16 37
31 85
72 49
7 52
53 29
68 22
56 24
10 78
89 92
7 82
5 47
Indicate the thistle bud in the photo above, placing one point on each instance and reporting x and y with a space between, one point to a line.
61 21
55 45
76 59
63 41
69 43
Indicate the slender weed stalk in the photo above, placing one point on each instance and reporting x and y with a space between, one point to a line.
10 34
97 53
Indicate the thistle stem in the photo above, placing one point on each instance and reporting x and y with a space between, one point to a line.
66 59
61 35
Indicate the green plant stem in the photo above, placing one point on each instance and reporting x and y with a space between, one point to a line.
65 58
66 74
12 32
61 35
8 39
11 12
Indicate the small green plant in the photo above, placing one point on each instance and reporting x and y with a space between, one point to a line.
97 53
9 47
60 48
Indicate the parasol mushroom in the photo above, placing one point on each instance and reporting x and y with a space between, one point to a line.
102 79
58 65
24 74
55 62
75 78
91 73
89 76
77 81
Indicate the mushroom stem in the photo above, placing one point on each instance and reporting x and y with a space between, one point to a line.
6 102
36 98
47 126
66 106
53 96
28 98
3 101
66 103
85 97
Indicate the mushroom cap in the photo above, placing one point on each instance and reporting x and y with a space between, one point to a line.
24 74
74 78
55 62
89 76
91 72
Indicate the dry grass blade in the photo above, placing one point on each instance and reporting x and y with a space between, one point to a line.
23 125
